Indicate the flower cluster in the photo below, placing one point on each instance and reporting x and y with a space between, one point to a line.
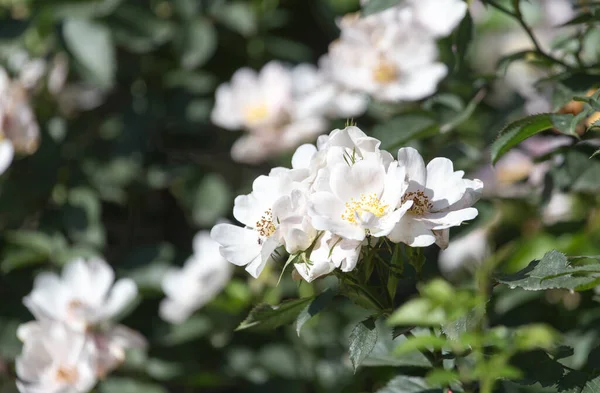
72 343
340 195
202 277
390 55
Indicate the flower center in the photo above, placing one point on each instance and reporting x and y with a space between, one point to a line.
256 113
265 225
355 208
421 204
384 72
68 375
75 305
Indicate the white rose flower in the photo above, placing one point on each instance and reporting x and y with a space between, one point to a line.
385 58
56 360
254 100
364 198
440 197
277 107
202 277
83 297
107 344
259 211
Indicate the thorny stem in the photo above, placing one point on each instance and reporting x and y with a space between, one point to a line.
519 18
430 356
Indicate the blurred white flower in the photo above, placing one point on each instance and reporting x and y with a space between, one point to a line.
83 297
259 211
279 107
316 93
110 345
440 197
56 360
559 208
255 100
202 277
19 131
107 345
386 56
517 174
465 253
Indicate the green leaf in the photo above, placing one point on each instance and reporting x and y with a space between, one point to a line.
406 384
362 341
579 382
384 352
535 336
92 46
402 128
538 367
461 40
455 329
418 312
419 343
287 49
517 131
238 17
198 43
83 9
212 200
140 30
374 6
129 385
266 317
314 307
552 271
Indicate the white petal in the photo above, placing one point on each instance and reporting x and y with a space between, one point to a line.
412 232
239 246
447 186
415 168
447 219
122 294
303 156
440 17
316 269
256 266
7 153
173 311
362 178
442 238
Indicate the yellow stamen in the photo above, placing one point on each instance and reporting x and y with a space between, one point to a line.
256 113
67 375
365 204
385 72
265 225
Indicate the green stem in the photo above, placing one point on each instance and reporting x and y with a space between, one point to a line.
429 355
519 18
